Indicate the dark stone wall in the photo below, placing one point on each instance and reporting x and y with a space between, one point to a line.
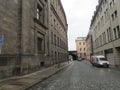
17 25
10 25
20 29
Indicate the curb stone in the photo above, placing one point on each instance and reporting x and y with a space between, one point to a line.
45 78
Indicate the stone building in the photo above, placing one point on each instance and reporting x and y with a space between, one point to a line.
89 50
25 29
81 47
58 45
105 26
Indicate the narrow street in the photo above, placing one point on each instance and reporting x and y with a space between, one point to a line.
82 76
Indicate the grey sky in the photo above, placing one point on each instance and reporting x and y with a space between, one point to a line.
79 14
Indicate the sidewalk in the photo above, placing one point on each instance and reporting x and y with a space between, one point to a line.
26 81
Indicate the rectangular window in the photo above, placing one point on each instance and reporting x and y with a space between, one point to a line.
55 39
115 33
118 30
104 38
111 4
100 40
108 35
84 54
84 49
113 1
80 49
52 37
83 43
112 17
80 43
115 14
105 1
39 44
40 14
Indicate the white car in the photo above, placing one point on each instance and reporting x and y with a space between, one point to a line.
99 60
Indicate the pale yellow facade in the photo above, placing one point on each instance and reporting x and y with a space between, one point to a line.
81 47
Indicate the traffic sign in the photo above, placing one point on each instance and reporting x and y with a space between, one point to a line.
1 40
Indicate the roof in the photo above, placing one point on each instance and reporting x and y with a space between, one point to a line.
81 38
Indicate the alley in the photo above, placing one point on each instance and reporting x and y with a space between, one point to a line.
82 76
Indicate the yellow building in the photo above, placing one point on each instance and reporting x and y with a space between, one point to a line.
81 47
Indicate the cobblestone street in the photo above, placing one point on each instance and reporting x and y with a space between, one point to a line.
82 76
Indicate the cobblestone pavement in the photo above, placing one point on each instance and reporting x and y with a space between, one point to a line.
82 76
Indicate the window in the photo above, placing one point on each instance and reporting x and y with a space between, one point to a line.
112 17
100 40
80 43
39 9
40 14
102 19
84 49
55 57
80 49
83 43
115 33
113 1
52 37
55 39
104 38
39 44
110 4
118 30
84 54
105 1
54 22
115 14
110 33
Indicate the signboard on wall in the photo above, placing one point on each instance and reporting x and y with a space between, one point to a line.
1 40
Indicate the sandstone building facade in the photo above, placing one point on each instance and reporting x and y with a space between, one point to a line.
58 45
89 45
81 47
105 28
25 27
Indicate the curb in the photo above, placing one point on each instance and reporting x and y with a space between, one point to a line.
45 78
36 78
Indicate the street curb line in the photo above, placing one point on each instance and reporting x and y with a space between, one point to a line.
45 78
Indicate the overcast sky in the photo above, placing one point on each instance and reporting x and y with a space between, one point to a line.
79 14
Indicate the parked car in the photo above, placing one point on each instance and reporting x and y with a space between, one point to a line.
79 59
99 60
